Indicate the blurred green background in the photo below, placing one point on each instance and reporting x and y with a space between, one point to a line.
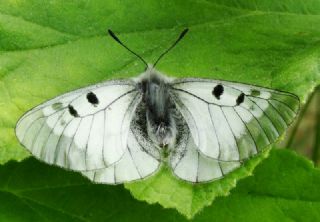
303 135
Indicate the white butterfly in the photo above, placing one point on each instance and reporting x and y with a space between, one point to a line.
122 130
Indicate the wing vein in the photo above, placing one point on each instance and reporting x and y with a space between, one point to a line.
198 163
36 121
104 131
265 115
278 113
184 153
134 163
191 94
285 104
142 148
231 132
86 149
114 174
37 134
258 123
58 147
112 102
255 143
66 159
215 132
124 116
179 103
51 131
111 82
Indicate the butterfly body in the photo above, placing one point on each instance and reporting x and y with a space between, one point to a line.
161 125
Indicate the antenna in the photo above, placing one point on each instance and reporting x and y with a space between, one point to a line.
118 40
183 33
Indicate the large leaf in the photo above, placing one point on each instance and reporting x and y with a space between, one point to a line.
187 198
48 49
284 188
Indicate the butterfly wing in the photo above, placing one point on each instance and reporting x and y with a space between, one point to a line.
83 130
232 121
140 160
189 164
135 164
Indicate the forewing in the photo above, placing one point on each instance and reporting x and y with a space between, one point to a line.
232 121
85 129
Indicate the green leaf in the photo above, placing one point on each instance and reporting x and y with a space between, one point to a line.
187 198
48 49
284 188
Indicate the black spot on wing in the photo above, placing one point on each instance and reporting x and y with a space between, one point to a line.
72 111
57 106
218 91
92 98
240 99
255 92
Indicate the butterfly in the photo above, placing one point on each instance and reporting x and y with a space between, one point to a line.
124 130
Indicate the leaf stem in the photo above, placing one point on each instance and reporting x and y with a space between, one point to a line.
316 147
300 117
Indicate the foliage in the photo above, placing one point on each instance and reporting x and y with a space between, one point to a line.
48 49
